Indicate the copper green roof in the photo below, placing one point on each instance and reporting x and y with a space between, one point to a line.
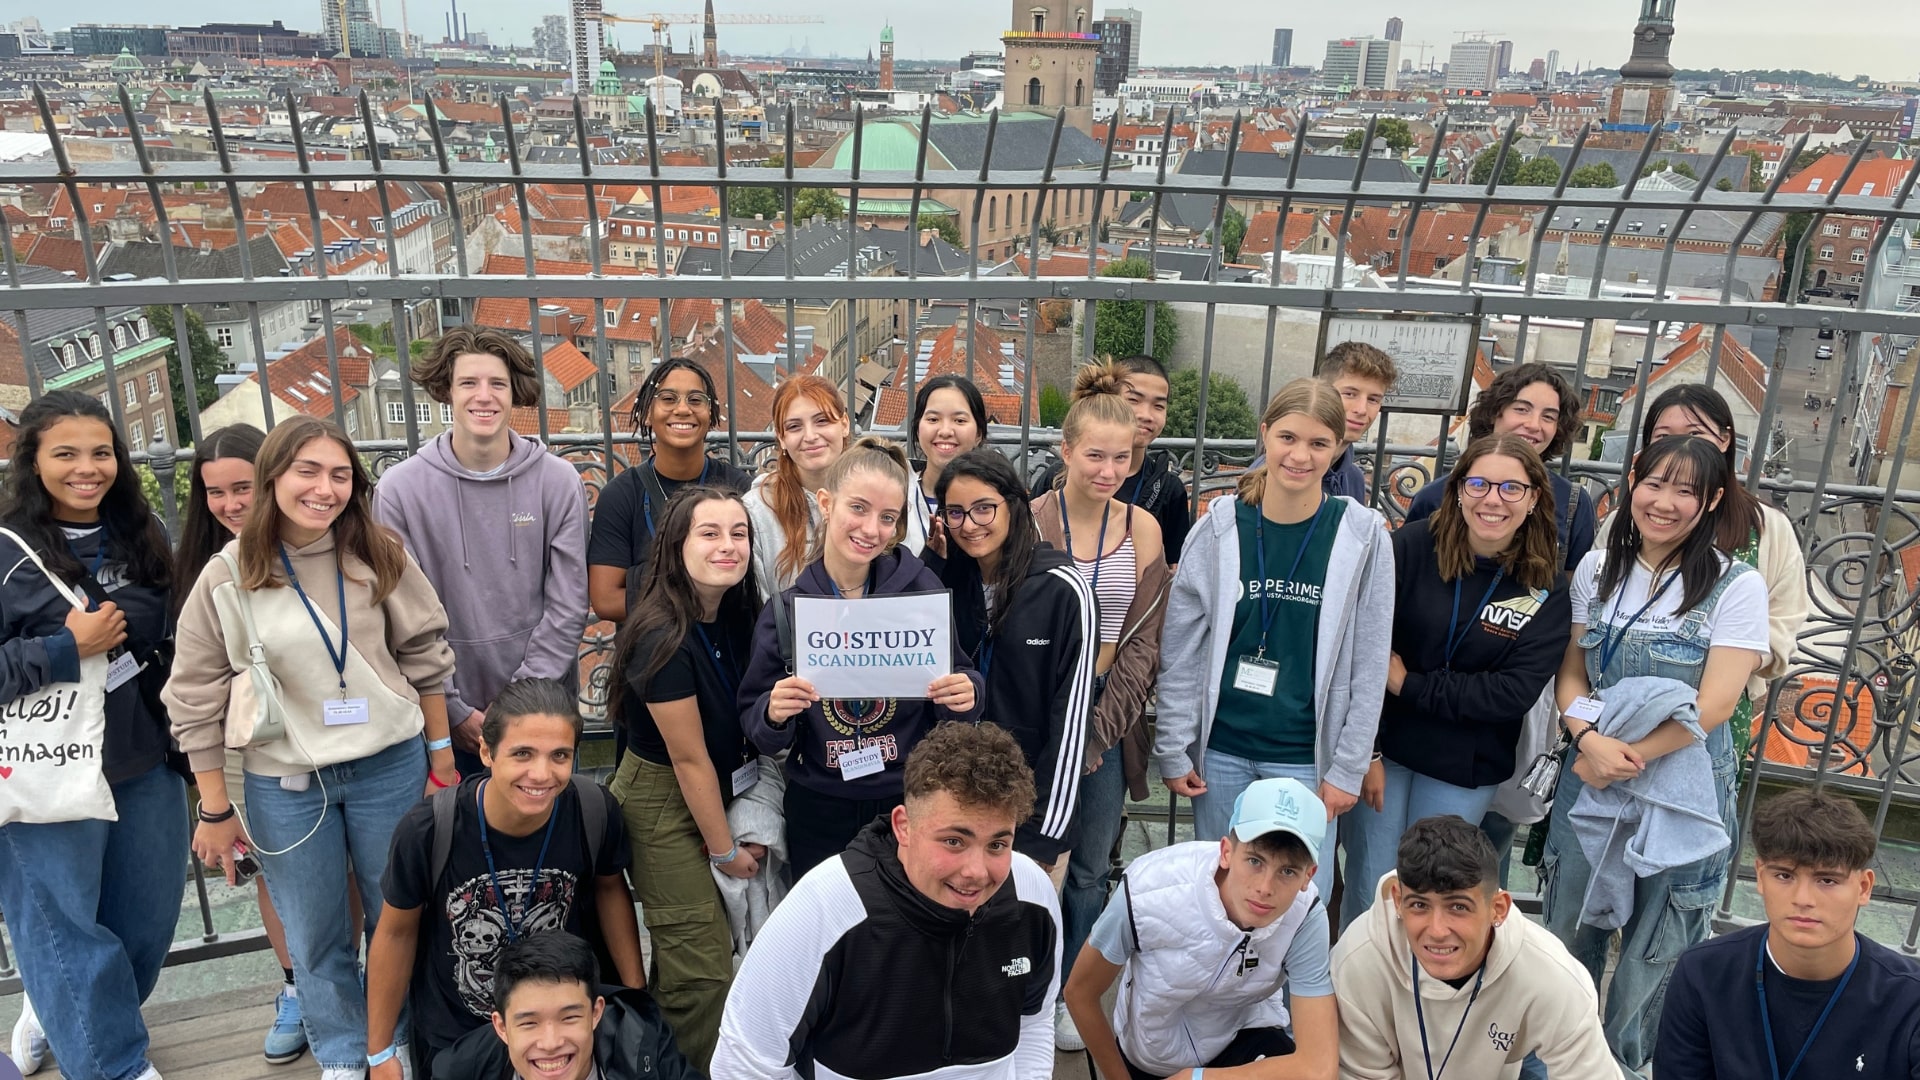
902 207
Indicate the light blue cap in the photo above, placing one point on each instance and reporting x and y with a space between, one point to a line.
1280 804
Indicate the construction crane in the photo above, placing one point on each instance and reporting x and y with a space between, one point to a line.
661 20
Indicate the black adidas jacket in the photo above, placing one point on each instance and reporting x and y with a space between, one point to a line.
1039 672
859 975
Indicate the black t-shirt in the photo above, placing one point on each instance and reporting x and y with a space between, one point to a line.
463 927
629 508
694 671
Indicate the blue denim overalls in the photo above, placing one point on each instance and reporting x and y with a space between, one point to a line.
1672 909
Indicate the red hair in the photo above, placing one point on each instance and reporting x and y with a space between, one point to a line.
785 495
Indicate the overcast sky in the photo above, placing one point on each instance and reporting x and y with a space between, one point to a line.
1878 37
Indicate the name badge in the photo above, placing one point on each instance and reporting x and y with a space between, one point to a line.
120 669
1256 676
746 776
863 762
1586 709
339 711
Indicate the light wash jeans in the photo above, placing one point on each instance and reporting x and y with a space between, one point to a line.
1227 776
363 801
1096 825
1373 839
92 907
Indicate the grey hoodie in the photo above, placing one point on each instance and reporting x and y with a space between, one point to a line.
1350 657
508 555
1667 816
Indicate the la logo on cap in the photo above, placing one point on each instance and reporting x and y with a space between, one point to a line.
1286 805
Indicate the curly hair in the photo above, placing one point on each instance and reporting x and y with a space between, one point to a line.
1505 389
434 370
980 765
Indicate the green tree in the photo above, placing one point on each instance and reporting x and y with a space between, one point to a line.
1483 167
747 202
1755 168
1791 255
1806 158
1542 171
1599 175
1663 165
1725 183
946 225
1229 416
821 201
1393 130
1120 326
1053 406
1233 233
208 363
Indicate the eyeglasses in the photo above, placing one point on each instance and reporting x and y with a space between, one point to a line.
672 399
979 513
1479 487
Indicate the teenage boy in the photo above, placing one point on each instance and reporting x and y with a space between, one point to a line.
552 1020
1804 994
1202 937
927 947
484 864
1364 376
1442 975
498 525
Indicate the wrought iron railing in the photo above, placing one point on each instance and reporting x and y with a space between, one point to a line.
1858 649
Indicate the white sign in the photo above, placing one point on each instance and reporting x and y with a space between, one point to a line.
885 647
1434 354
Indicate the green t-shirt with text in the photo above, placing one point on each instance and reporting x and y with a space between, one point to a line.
1279 729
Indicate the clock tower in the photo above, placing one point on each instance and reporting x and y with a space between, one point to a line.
1643 98
1050 59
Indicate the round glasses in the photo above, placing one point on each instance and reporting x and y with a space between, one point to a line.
979 513
672 398
1479 487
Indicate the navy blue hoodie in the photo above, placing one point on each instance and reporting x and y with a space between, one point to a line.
815 741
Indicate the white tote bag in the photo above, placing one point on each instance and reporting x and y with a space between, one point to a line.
1537 736
51 740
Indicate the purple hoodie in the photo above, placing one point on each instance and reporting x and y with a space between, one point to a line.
507 553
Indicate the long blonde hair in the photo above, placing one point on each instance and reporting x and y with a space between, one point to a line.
870 453
1314 398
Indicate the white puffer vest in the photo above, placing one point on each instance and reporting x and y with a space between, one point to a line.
1191 954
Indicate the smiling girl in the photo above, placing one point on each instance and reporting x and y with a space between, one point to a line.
90 904
813 433
1274 654
681 658
356 638
1658 600
674 412
1479 628
949 419
864 502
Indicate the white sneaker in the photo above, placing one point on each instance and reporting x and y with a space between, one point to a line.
29 1041
151 1074
347 1073
1066 1037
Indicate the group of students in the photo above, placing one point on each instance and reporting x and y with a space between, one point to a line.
1312 669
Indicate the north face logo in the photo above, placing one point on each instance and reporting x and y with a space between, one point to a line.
1020 966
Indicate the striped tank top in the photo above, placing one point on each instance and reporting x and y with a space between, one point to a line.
1114 578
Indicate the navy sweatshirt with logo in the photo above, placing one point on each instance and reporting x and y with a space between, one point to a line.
1460 723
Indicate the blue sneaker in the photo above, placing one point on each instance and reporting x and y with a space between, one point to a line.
286 1039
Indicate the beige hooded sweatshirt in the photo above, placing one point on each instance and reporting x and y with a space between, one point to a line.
1534 999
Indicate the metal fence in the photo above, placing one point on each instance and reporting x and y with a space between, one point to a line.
1848 702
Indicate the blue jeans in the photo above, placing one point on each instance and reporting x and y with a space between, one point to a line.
92 906
363 801
1096 825
1227 776
1373 839
1672 910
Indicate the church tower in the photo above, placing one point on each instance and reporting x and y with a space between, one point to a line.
1643 98
1050 59
886 58
711 56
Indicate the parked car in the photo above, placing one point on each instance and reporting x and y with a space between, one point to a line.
1826 333
1824 352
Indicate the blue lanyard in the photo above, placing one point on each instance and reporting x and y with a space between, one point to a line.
1267 610
340 576
486 848
1421 1014
1610 642
1139 481
728 673
646 497
1454 643
1099 542
985 661
99 559
1766 1022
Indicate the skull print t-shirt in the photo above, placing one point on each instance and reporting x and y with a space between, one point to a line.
465 920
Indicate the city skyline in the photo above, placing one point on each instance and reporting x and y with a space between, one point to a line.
1876 39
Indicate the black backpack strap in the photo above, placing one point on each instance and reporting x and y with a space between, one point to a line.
593 813
1133 928
783 629
445 802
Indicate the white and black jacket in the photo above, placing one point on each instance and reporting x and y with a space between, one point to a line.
1039 673
859 975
